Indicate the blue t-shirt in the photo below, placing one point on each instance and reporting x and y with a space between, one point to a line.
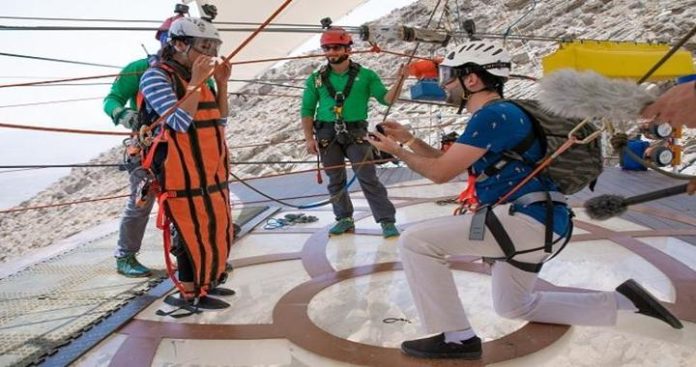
498 127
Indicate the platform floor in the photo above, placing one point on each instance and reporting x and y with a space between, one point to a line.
307 299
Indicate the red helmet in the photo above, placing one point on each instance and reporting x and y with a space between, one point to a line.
336 36
163 30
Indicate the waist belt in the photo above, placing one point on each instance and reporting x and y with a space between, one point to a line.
350 125
211 189
539 196
485 218
207 123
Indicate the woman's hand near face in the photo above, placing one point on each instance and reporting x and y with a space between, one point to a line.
201 68
223 70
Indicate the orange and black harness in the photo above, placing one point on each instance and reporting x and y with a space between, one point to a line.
192 174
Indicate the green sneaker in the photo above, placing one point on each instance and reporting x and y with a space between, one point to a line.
342 226
131 267
389 230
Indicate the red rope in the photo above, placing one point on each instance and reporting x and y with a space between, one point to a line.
58 80
60 130
62 204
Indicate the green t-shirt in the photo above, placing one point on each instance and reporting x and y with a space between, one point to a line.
317 103
125 87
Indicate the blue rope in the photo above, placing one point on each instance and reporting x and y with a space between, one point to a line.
324 202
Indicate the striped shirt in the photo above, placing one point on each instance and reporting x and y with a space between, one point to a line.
157 90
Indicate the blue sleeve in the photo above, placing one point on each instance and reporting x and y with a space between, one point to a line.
496 129
158 92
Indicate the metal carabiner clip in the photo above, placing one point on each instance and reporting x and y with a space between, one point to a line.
340 127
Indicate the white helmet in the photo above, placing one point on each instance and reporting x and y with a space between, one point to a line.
193 27
489 56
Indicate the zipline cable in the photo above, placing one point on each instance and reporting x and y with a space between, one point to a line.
106 20
59 60
51 102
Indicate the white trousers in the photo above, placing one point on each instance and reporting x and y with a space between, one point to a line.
424 249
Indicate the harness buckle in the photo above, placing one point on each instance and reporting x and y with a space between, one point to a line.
477 230
340 127
340 99
147 187
145 136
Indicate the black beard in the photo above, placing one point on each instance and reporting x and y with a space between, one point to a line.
338 60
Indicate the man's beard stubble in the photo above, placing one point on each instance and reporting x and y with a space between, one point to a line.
337 60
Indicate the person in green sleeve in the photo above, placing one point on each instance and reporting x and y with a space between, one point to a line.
122 106
124 91
334 114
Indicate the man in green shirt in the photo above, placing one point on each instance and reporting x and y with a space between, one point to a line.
124 90
334 109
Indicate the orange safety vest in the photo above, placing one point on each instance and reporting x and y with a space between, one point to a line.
195 194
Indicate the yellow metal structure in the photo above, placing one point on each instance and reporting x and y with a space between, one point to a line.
619 59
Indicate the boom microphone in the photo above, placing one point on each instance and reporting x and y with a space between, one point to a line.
578 95
604 207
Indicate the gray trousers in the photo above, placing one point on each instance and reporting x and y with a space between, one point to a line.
134 219
425 247
333 154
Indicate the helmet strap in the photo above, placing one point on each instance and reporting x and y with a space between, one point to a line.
184 51
466 95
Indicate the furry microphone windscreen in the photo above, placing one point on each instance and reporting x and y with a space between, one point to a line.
578 95
604 207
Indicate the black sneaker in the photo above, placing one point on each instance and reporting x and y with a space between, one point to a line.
646 303
204 303
436 347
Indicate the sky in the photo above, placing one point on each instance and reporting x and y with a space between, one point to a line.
22 147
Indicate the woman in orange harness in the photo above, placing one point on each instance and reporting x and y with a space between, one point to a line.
192 165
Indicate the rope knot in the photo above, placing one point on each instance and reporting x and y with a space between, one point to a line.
375 48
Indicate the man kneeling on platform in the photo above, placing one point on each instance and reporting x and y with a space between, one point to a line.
531 225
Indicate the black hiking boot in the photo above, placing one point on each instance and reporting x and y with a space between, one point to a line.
646 303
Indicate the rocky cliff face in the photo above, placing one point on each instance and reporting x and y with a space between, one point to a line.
264 123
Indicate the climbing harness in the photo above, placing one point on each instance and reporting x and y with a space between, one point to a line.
343 136
484 217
